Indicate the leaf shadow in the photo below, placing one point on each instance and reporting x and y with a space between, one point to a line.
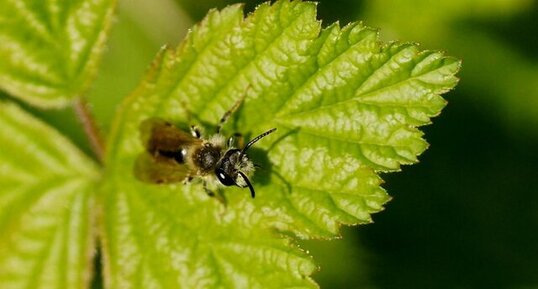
265 167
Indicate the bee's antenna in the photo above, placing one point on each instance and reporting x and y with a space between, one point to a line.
254 140
252 193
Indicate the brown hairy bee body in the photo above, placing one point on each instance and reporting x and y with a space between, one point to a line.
173 155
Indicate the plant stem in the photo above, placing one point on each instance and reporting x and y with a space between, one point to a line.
93 133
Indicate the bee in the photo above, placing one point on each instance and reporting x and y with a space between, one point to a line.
173 155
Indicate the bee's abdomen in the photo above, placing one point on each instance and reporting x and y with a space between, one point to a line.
178 155
206 158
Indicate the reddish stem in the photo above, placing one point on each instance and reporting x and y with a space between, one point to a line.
93 133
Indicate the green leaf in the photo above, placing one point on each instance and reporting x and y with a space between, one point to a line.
346 107
46 206
50 49
452 25
139 30
198 9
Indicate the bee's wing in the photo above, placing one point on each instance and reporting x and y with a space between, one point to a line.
159 170
160 135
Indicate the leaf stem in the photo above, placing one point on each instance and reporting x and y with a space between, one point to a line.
93 133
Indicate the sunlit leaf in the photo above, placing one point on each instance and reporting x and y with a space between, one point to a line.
346 107
467 29
50 49
46 206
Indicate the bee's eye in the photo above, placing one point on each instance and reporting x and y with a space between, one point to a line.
224 178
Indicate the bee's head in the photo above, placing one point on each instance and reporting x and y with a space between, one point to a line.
234 166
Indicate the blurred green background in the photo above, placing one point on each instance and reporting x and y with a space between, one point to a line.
466 216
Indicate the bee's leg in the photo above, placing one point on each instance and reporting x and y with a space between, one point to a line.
188 179
228 113
196 132
207 190
219 196
236 140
